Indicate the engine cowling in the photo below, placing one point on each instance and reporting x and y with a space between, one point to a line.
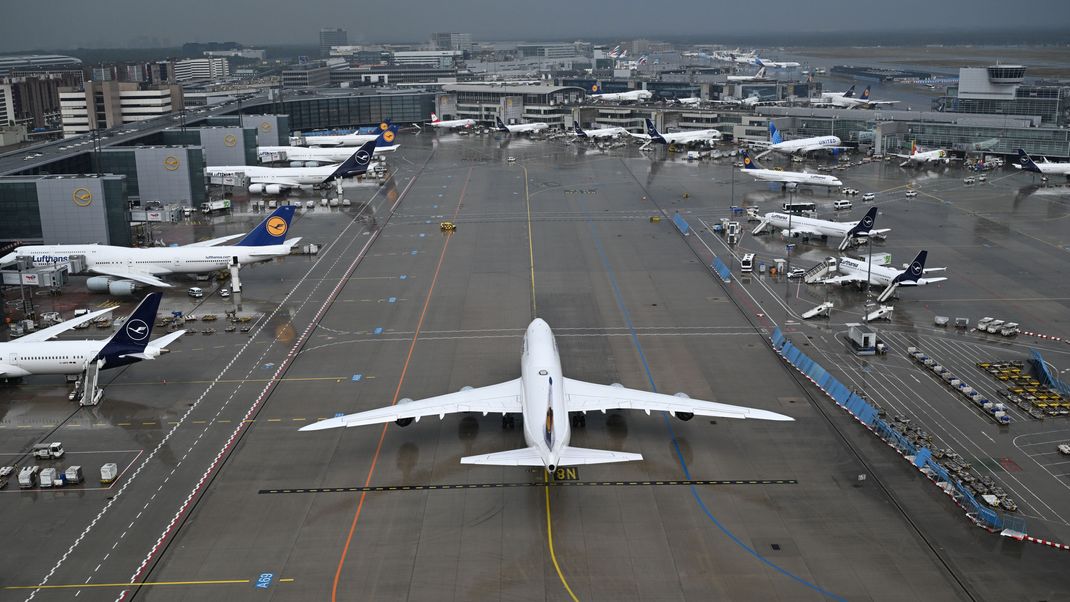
789 234
684 416
297 163
273 189
256 188
106 284
312 163
403 422
98 284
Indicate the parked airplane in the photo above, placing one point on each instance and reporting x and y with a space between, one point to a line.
520 128
795 226
353 139
1025 163
803 145
748 78
787 178
34 353
276 180
690 101
629 96
853 270
610 132
709 136
451 124
121 265
920 157
321 155
846 100
545 398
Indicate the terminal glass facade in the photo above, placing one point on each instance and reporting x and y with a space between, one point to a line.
347 111
22 218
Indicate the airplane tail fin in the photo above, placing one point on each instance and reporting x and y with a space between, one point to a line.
129 342
1026 161
913 147
596 89
653 132
434 118
748 163
865 93
579 131
271 231
865 224
774 134
359 161
761 72
850 92
501 124
914 271
387 136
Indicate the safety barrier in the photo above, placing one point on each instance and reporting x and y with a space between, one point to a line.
921 458
722 270
681 224
1047 377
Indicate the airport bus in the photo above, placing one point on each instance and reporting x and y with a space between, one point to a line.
746 264
800 208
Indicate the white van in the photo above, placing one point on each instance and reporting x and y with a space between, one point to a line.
196 292
842 204
746 264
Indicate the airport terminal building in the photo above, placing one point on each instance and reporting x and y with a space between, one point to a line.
543 103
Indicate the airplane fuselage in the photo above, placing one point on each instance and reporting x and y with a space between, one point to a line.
824 227
807 144
879 275
47 357
333 155
793 177
343 140
304 176
453 124
610 132
707 136
633 96
546 421
155 260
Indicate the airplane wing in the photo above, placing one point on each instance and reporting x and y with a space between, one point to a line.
6 369
135 275
291 243
500 398
215 241
47 333
583 396
284 182
843 279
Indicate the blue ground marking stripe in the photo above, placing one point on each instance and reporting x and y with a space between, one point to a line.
676 445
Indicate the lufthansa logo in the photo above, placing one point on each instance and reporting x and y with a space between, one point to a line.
363 156
388 136
276 226
82 197
265 126
170 163
594 87
383 126
230 140
137 329
867 222
916 268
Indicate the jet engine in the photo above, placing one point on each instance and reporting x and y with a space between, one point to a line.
404 421
685 416
256 188
104 284
273 189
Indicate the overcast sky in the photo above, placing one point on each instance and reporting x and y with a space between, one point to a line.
117 23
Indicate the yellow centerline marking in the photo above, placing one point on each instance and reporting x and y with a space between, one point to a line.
531 245
139 584
550 541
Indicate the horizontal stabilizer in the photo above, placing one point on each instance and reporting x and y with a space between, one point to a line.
574 456
528 456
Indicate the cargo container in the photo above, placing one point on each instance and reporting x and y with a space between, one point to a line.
108 472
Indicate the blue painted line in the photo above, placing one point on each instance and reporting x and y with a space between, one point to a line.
672 434
392 300
264 580
378 330
358 377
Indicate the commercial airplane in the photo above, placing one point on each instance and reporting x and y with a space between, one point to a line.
709 136
321 155
629 96
1025 163
853 270
787 178
690 101
520 128
545 398
34 354
862 102
121 267
809 226
451 124
276 180
776 64
801 146
353 139
610 132
920 157
748 78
